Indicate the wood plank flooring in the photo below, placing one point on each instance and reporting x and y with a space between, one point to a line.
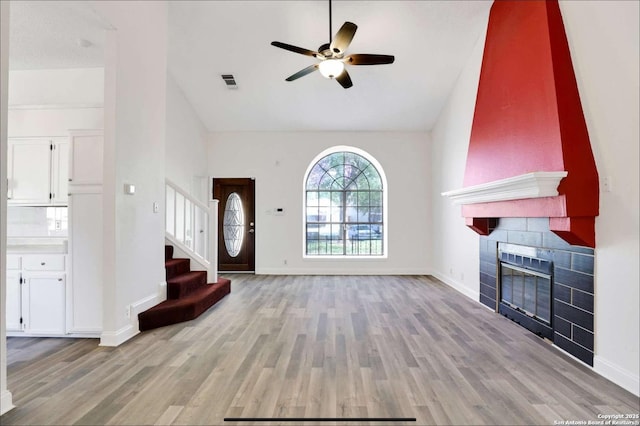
314 346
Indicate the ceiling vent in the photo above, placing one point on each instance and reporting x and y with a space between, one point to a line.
230 81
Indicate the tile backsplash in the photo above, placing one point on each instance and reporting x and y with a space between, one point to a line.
37 221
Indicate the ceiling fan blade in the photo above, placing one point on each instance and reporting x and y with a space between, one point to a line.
303 72
295 49
343 37
344 79
367 59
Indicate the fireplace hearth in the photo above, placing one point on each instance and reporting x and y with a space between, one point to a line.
535 278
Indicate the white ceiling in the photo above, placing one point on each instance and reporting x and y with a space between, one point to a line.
431 42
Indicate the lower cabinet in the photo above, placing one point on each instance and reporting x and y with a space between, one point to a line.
14 301
36 294
45 307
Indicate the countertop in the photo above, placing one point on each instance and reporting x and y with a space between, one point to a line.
36 246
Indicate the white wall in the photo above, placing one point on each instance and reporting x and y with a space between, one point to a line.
74 86
186 147
6 399
456 255
134 153
38 106
279 161
606 64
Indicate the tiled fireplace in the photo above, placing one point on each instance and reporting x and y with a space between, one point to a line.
535 278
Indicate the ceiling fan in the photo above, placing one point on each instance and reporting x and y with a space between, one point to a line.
332 60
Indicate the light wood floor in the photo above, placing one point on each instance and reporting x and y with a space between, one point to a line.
314 346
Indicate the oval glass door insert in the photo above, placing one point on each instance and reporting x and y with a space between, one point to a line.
233 224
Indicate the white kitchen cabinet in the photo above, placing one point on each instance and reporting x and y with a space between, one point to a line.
86 157
36 294
29 171
60 172
85 231
85 245
37 171
14 301
45 307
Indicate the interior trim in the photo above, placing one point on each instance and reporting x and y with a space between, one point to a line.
528 185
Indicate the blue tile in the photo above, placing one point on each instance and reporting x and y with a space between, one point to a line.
582 263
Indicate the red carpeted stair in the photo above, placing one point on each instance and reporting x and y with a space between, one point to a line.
188 294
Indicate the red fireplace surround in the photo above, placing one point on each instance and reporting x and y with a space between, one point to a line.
528 119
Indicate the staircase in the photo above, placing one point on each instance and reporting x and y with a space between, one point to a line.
188 294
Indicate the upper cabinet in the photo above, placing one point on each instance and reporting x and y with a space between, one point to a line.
86 157
37 171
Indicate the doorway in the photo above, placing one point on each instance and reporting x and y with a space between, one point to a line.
236 224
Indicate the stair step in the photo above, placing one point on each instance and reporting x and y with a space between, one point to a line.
183 285
168 252
175 267
174 311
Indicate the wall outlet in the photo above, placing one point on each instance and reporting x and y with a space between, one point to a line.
128 312
284 262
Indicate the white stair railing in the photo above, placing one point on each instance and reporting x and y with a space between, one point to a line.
192 226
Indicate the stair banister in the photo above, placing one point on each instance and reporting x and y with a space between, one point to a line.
190 220
213 241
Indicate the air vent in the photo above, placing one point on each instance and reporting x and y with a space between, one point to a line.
230 81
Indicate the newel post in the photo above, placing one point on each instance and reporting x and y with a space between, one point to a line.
213 242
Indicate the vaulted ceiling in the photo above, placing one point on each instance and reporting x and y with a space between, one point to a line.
431 42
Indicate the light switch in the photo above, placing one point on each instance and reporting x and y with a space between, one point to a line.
129 189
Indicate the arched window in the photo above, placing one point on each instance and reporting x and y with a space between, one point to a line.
344 204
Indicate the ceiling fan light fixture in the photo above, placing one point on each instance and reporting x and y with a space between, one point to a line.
331 68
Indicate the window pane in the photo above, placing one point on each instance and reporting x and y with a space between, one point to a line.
326 181
351 198
375 198
373 177
233 224
363 214
313 181
363 199
313 214
312 198
375 215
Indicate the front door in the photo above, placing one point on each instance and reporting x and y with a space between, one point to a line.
236 227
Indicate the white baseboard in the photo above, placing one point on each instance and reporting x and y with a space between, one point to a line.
471 294
618 375
6 401
116 338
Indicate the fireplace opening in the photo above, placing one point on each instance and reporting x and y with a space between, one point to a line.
526 282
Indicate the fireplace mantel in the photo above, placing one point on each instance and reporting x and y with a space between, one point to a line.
528 185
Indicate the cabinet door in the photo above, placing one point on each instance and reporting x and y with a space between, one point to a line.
86 158
14 301
45 302
29 171
85 212
60 172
